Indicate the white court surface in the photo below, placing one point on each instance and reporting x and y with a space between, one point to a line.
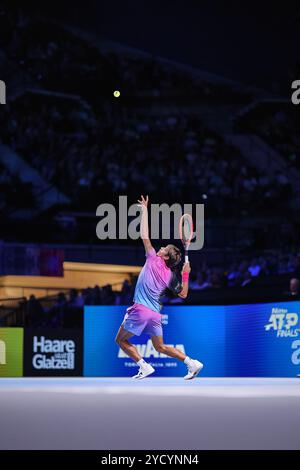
154 413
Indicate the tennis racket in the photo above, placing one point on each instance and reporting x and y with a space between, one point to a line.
186 233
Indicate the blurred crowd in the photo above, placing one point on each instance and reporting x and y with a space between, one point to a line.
65 309
278 124
244 272
11 186
174 157
107 146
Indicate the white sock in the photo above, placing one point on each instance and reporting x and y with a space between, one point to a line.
142 363
188 360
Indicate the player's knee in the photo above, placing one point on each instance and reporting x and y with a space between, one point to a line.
118 340
121 342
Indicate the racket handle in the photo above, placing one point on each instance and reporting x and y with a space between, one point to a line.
186 259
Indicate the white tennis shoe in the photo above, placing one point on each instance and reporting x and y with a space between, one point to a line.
193 369
144 371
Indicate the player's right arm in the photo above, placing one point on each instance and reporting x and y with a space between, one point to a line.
185 280
143 203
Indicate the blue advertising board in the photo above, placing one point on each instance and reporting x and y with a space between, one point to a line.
252 340
263 340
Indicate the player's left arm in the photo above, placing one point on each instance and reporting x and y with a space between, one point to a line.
143 203
185 280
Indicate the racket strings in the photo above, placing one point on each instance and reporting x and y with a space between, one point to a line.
186 228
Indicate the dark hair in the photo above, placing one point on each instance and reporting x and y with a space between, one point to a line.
174 257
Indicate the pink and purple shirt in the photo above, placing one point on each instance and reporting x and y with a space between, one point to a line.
154 279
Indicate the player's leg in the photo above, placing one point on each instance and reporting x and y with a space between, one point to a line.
159 345
122 340
194 366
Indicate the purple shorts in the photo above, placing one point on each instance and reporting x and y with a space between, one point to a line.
141 319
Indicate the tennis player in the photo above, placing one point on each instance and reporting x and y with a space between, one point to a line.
144 315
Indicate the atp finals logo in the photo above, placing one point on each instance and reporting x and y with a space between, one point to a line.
283 322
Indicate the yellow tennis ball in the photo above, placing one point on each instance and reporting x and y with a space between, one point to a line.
116 94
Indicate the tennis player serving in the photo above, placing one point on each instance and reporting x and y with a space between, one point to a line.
144 315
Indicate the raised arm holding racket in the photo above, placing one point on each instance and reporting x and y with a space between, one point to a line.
186 235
